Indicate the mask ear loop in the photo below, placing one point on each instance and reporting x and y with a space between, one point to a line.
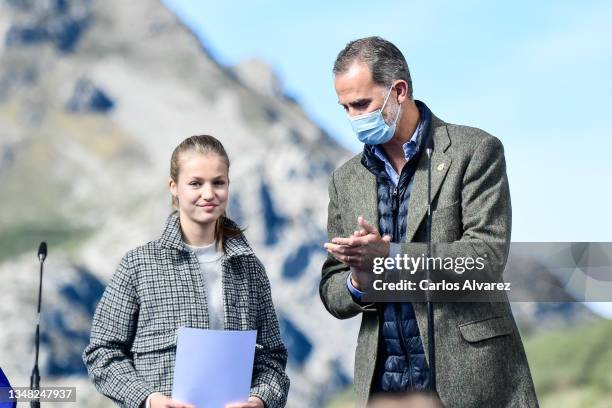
386 99
385 102
399 110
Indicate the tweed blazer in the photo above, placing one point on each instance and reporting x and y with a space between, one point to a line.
480 359
157 288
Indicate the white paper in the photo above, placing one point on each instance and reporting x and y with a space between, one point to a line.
213 367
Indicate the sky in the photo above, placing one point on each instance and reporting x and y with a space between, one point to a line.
535 74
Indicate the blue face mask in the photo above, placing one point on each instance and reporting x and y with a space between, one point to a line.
371 127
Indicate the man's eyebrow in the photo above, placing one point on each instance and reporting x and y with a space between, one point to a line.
357 102
360 102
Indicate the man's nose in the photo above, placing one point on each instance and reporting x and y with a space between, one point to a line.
352 112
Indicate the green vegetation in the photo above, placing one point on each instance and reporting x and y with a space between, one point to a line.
17 239
343 399
571 368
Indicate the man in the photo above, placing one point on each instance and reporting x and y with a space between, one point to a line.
377 208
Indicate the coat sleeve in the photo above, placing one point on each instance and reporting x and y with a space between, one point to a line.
107 357
270 382
332 289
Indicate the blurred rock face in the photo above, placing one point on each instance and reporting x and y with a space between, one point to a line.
94 96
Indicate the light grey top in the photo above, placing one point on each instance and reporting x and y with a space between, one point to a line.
210 265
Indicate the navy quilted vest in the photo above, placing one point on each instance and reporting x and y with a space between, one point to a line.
401 364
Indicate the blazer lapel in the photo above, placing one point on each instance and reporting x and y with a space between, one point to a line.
365 197
440 163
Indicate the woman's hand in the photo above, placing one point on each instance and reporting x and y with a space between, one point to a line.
159 400
253 402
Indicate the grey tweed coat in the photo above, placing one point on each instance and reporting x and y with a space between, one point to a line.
480 360
157 288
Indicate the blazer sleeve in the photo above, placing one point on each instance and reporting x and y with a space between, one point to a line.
333 288
270 382
107 357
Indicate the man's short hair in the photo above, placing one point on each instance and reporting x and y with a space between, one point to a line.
385 60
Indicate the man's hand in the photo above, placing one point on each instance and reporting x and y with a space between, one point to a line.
253 402
159 400
359 250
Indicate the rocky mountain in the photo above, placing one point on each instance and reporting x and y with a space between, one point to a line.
94 95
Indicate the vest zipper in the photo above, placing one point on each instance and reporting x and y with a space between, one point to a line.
400 330
395 208
395 211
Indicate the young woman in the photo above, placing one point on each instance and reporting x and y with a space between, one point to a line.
201 273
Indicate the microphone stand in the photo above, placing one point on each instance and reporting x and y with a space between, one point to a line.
35 377
431 346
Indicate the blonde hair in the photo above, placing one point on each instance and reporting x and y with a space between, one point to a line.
204 144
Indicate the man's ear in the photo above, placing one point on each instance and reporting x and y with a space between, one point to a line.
401 87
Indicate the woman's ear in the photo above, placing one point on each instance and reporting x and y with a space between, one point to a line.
172 187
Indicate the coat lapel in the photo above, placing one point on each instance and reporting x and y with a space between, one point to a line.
235 284
366 198
440 163
231 313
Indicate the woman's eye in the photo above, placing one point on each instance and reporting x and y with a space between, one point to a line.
219 183
194 183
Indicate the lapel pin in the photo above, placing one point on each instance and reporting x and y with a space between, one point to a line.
440 167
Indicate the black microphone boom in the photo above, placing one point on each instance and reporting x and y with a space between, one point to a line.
35 378
431 346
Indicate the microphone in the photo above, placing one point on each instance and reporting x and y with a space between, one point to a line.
431 346
42 251
35 377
